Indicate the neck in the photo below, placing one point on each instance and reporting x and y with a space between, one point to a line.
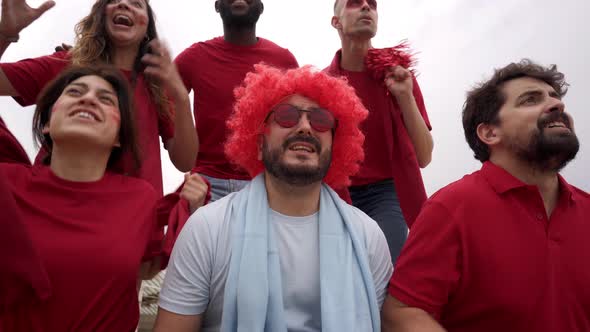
240 36
546 181
78 164
295 201
354 52
124 57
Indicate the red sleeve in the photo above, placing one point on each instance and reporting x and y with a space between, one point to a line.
29 76
291 60
23 279
174 212
420 102
10 149
428 268
184 65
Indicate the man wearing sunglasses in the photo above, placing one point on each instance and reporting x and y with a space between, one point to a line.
398 142
212 69
285 253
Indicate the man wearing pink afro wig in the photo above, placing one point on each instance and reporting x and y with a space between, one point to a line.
285 253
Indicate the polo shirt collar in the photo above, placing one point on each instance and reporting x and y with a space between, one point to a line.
502 181
499 178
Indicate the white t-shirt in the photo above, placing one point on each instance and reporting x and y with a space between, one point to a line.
196 275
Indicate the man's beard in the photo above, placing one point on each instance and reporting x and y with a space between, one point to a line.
550 152
295 175
244 21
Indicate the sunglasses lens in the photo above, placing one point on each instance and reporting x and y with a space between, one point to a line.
321 119
286 116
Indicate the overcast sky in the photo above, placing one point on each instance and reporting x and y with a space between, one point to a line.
459 43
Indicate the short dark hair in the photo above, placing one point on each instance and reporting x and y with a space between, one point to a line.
485 100
54 89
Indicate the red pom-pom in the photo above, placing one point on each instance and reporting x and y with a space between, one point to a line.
379 60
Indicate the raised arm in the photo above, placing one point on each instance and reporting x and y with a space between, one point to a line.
16 15
184 146
399 82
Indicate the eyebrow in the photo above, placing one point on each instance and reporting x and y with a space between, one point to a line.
537 92
100 91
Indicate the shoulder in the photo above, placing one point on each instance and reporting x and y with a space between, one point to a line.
15 172
210 219
468 188
267 44
363 223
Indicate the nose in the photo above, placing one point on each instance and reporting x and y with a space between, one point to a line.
365 6
556 105
123 4
304 126
89 98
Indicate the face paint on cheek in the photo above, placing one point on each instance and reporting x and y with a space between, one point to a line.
115 116
142 20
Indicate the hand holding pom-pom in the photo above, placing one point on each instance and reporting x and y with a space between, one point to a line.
379 60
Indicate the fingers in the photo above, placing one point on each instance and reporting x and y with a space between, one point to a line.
43 8
158 61
398 73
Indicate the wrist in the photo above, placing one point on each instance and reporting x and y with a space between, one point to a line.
11 38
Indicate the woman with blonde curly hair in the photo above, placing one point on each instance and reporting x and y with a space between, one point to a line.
120 33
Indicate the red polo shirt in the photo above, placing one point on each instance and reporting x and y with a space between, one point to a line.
389 153
484 256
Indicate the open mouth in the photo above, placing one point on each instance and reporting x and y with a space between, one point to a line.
85 114
556 125
123 20
302 147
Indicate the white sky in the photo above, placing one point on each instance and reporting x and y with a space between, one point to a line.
460 42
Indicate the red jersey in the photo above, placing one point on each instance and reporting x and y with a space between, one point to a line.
389 153
484 256
91 238
29 76
212 69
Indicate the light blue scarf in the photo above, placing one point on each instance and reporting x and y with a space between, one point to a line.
253 299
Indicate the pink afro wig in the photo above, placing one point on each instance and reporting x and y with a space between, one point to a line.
266 86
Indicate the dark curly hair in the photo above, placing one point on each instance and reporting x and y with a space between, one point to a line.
484 101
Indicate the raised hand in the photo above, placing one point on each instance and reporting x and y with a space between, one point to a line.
399 81
159 66
194 191
17 15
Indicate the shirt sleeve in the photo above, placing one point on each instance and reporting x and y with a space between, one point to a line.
184 64
420 102
186 287
291 61
379 261
29 76
429 267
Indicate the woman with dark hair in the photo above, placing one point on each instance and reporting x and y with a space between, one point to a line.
90 226
120 33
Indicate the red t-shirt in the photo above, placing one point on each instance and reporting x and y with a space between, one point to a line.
212 69
23 279
483 256
389 153
10 148
91 238
29 76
